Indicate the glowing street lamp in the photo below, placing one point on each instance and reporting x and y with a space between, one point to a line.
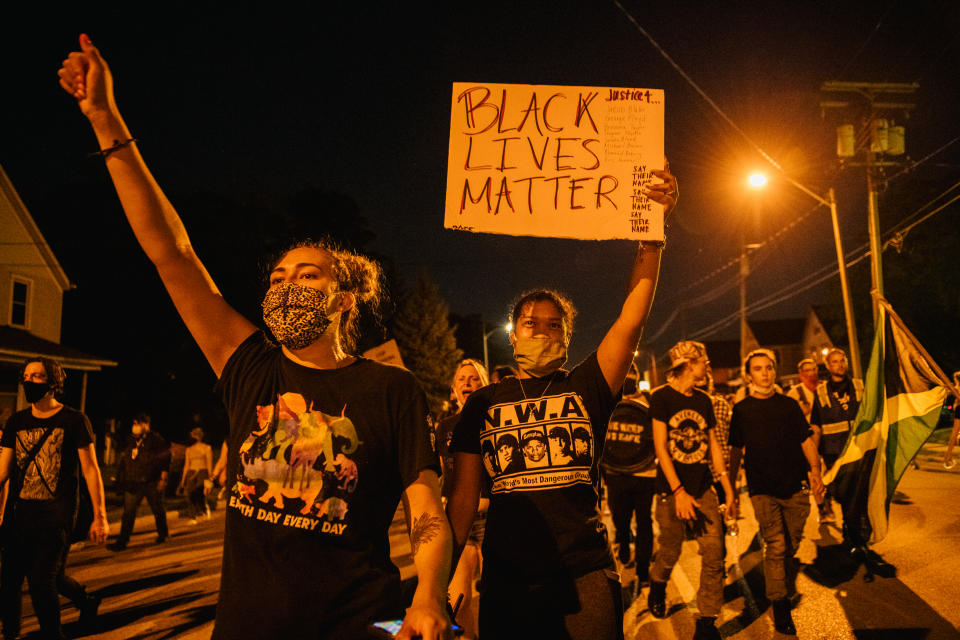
757 180
486 336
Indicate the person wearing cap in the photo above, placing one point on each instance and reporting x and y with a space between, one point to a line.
685 438
771 430
805 391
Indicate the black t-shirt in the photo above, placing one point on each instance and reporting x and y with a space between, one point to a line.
445 429
771 431
688 420
629 447
539 446
318 459
52 478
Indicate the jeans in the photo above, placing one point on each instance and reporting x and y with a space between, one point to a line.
586 608
133 495
36 547
709 540
781 523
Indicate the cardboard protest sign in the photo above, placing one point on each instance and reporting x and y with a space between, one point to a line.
554 161
387 353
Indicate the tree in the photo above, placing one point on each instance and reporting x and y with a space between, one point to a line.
426 339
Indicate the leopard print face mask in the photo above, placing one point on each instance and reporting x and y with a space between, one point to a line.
295 314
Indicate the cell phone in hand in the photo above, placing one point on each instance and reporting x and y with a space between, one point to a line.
390 628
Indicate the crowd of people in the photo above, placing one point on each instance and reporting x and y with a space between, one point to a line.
323 444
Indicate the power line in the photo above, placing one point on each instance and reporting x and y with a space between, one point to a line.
863 46
851 258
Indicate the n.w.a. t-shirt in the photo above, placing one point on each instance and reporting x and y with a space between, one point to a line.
688 420
538 439
318 459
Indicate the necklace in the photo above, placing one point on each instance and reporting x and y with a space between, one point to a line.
542 393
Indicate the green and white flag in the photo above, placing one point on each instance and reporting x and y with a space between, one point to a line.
903 394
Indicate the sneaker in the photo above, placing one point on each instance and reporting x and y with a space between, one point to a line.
160 540
116 546
657 599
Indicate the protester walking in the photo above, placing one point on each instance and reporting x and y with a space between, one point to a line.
322 444
468 377
770 433
43 451
196 481
548 571
142 470
684 433
629 468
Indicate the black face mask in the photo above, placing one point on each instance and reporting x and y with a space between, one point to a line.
34 391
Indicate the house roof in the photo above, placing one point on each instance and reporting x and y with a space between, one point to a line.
16 345
8 192
772 333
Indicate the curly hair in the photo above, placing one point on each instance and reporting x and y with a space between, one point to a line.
353 273
568 312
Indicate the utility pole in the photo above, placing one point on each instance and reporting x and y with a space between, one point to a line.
874 104
744 272
845 289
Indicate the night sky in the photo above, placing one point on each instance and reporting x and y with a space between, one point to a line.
237 114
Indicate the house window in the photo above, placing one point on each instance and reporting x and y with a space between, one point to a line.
19 302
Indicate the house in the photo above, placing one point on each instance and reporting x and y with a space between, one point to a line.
792 340
32 284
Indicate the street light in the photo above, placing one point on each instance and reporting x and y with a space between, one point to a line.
486 336
758 180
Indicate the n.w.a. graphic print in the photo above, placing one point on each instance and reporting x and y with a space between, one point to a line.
296 469
543 443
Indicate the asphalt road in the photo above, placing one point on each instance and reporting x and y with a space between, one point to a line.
839 599
155 592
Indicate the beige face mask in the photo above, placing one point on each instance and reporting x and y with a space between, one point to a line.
539 356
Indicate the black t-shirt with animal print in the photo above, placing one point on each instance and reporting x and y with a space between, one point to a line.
688 420
317 462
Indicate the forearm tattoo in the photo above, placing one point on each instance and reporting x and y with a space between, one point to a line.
425 528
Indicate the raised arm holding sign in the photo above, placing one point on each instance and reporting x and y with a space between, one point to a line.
535 437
